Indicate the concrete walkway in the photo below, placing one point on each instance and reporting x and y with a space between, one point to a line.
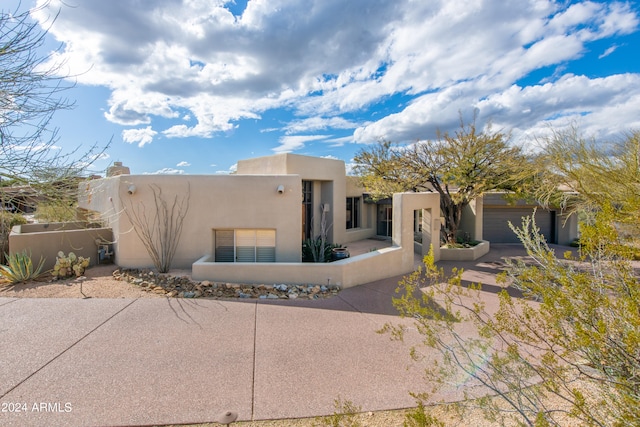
74 362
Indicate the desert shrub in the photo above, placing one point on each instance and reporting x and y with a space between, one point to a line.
7 221
417 417
564 350
55 212
345 415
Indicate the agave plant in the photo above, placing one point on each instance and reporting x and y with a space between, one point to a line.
20 268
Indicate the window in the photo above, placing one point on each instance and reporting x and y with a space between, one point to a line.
245 245
307 210
353 212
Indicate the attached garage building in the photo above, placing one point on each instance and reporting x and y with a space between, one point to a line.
497 214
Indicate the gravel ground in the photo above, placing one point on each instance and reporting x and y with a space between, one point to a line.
99 283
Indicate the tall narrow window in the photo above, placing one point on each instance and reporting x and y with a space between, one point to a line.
245 245
353 212
307 210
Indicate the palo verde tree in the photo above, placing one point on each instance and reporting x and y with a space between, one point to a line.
584 176
459 166
563 345
31 89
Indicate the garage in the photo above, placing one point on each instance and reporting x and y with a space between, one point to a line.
495 223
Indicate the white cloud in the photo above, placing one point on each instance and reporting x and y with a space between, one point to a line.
140 136
232 169
608 52
319 123
295 142
183 164
195 60
167 171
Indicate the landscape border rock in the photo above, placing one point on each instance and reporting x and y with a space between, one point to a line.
183 287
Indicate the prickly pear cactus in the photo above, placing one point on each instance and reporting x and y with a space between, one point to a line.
69 265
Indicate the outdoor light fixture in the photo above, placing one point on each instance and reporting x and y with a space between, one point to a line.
280 189
131 189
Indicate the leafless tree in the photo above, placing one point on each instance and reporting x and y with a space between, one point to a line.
31 87
160 227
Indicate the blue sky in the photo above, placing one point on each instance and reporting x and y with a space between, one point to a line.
194 86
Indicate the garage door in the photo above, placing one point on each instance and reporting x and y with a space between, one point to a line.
495 224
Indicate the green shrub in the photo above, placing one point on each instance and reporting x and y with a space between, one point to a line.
7 221
55 212
345 415
417 417
20 268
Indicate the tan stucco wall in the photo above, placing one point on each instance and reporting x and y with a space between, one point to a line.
330 187
471 221
216 202
46 240
380 264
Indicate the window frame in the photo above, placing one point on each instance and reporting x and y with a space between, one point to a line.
353 209
251 245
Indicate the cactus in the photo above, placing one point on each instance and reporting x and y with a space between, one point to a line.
69 265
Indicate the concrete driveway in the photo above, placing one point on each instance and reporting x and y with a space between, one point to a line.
75 362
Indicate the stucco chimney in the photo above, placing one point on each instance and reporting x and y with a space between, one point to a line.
117 169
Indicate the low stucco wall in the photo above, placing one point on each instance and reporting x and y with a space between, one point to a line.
465 254
377 265
46 240
369 267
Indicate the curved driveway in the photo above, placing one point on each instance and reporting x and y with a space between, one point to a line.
75 362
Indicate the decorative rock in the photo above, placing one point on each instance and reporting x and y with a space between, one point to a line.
183 287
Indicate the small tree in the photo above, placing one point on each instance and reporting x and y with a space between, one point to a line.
460 167
30 93
160 227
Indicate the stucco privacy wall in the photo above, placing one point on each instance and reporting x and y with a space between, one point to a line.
369 267
215 202
46 240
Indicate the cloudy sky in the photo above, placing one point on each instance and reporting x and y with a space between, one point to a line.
192 86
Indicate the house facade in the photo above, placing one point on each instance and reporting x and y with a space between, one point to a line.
249 226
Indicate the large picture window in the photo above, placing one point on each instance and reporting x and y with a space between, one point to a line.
353 212
245 245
